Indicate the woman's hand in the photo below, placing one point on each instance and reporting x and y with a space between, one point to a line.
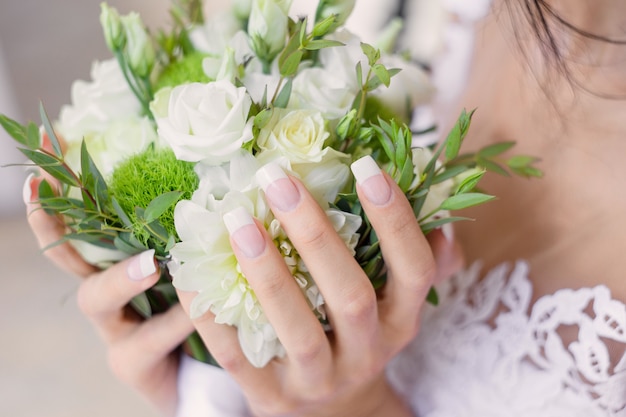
339 373
141 353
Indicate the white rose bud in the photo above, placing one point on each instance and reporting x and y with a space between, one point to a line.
112 27
267 27
139 46
204 122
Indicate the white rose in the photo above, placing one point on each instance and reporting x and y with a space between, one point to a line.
267 27
204 122
299 135
409 88
322 90
326 179
96 104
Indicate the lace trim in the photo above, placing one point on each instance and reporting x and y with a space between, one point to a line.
481 353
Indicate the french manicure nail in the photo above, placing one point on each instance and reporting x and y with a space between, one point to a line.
142 266
30 189
278 188
244 232
371 180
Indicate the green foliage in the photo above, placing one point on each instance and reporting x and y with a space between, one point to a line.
186 70
147 180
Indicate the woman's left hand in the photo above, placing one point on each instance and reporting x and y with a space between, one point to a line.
342 372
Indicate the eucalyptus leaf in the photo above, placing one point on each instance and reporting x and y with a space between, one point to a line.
492 166
15 130
318 44
469 183
141 305
449 173
285 94
461 201
121 213
382 74
160 204
290 65
495 149
56 146
52 165
372 54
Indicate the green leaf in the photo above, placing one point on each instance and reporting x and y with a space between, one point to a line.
373 83
122 242
45 191
49 130
528 172
262 118
290 65
318 44
33 137
469 183
461 201
519 161
492 166
15 130
52 165
372 54
453 141
359 73
382 74
495 149
121 213
435 224
406 176
449 173
285 93
141 305
159 205
432 297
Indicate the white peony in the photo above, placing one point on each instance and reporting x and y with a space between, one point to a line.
204 122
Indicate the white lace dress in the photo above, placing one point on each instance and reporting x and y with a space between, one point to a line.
485 351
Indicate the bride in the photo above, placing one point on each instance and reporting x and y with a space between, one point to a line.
534 324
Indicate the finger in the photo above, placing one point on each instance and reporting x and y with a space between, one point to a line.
409 260
135 356
264 267
350 298
102 296
49 230
144 358
223 343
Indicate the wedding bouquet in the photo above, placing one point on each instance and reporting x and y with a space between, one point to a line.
168 135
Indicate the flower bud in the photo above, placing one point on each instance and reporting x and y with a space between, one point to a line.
340 8
112 27
241 8
268 27
139 48
346 125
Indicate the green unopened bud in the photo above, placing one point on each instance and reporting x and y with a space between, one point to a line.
139 48
347 125
112 27
341 8
268 27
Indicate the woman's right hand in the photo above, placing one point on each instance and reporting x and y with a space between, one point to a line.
141 353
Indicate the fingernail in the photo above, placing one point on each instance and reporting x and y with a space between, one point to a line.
244 232
142 266
278 188
371 180
30 190
448 232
